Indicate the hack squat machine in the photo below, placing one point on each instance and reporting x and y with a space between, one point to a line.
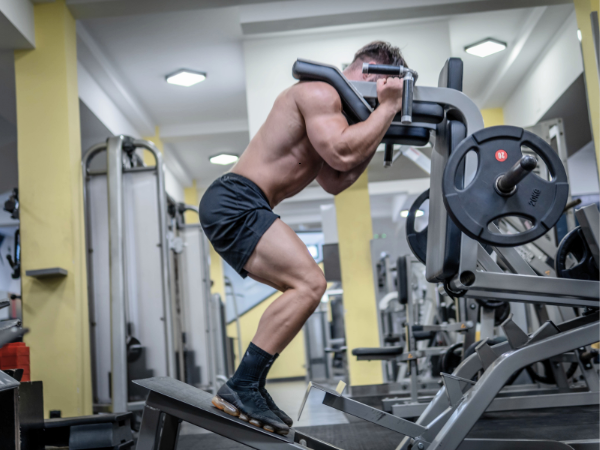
479 178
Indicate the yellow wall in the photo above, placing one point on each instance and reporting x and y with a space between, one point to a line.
493 117
291 362
355 231
583 8
52 232
157 141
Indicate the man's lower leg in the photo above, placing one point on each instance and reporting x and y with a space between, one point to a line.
241 396
270 403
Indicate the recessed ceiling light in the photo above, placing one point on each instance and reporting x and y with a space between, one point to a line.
485 48
404 213
185 77
224 159
579 35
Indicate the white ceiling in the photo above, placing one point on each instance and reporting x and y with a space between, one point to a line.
145 48
143 45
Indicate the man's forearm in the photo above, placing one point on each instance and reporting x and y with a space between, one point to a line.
348 178
337 181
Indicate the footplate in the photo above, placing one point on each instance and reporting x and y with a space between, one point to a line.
181 402
335 399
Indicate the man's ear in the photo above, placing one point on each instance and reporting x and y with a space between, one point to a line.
369 76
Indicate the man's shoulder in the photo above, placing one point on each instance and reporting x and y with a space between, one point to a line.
315 92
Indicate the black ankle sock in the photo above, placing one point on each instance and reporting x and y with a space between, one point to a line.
263 376
252 366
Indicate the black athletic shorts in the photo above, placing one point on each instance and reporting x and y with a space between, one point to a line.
234 214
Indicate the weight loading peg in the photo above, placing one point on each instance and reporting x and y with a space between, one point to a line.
507 184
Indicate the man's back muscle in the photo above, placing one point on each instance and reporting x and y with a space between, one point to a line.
280 159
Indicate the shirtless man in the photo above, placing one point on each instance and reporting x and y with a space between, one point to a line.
305 137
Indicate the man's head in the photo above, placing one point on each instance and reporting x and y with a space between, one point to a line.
377 52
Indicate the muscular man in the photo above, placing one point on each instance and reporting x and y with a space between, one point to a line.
305 137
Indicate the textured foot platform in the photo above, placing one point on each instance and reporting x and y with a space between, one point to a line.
230 409
182 402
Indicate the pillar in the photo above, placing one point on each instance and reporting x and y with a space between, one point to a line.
492 117
583 8
52 229
157 141
355 231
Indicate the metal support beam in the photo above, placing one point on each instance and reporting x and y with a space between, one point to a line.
114 158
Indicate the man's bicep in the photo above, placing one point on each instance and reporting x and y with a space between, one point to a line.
324 130
321 108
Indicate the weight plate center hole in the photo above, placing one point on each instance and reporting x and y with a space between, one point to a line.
500 192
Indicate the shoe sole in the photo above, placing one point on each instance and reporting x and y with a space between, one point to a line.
228 408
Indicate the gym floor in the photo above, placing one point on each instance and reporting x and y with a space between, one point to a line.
350 433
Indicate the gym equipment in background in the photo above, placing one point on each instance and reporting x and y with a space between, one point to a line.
151 310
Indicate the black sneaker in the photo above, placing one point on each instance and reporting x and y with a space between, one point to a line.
273 407
249 405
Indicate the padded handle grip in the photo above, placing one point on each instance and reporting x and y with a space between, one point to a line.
407 98
383 69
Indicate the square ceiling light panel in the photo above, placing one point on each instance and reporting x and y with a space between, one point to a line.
486 47
224 159
185 77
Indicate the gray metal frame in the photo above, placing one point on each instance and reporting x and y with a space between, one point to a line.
444 424
210 332
114 154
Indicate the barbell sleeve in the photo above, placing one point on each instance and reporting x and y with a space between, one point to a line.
507 182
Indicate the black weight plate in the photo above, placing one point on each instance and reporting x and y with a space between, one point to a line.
585 268
491 304
501 314
417 240
475 207
134 349
451 358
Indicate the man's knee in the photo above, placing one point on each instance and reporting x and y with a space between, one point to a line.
314 287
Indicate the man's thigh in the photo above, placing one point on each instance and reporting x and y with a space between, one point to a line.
281 258
267 282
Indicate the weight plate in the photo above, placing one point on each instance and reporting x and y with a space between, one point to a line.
583 265
491 304
134 349
473 208
417 240
451 358
501 314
